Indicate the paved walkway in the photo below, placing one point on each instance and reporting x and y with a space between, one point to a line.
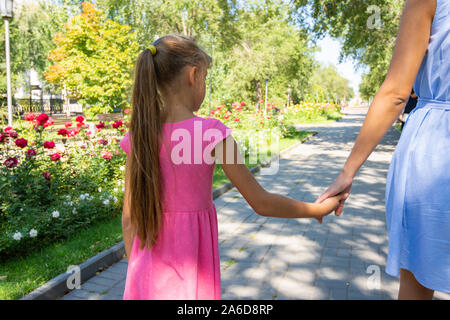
270 258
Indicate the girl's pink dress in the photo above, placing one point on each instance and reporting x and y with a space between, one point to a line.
184 263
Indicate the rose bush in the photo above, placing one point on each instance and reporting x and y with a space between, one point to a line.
67 172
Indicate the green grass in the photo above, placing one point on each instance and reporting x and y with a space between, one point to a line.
24 274
219 176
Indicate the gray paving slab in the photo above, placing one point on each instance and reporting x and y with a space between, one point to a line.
266 258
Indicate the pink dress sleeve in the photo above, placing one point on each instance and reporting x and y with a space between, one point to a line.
125 144
223 129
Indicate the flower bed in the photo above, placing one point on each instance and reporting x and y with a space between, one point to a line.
51 188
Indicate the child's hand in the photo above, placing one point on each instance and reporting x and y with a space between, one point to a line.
329 205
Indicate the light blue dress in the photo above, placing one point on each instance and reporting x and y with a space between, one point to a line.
418 182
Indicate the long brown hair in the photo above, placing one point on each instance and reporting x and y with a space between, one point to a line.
152 73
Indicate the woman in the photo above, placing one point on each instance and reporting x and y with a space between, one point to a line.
418 182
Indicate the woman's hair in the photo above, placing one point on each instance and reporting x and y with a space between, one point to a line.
152 73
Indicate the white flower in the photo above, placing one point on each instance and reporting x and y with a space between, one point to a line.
123 189
115 199
82 196
33 233
67 197
106 202
17 236
55 214
90 197
74 211
119 183
99 189
105 179
122 168
21 209
70 203
115 190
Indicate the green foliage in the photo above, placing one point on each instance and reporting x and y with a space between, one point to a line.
93 60
270 48
326 84
354 22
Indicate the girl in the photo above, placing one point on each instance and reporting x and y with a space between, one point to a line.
418 182
169 219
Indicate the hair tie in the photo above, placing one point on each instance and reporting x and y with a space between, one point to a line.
152 49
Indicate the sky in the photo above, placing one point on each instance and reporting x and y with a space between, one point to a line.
329 54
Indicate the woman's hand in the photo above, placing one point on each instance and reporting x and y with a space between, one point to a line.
342 185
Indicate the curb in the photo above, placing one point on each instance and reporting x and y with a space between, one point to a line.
57 287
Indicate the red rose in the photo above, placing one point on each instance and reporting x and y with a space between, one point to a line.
106 154
46 175
2 137
49 122
79 124
7 129
79 119
12 133
49 144
62 132
11 162
100 125
21 143
242 103
126 111
73 132
103 141
31 153
68 124
55 157
117 124
30 117
41 119
237 119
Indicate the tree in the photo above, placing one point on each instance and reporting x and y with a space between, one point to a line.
327 84
93 60
269 47
368 32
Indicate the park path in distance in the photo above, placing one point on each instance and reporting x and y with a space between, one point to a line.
273 258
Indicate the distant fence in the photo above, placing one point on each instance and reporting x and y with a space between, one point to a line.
23 106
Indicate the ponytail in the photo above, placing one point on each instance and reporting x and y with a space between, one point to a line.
145 199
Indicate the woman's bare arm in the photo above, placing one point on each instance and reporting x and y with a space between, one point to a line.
411 45
265 203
